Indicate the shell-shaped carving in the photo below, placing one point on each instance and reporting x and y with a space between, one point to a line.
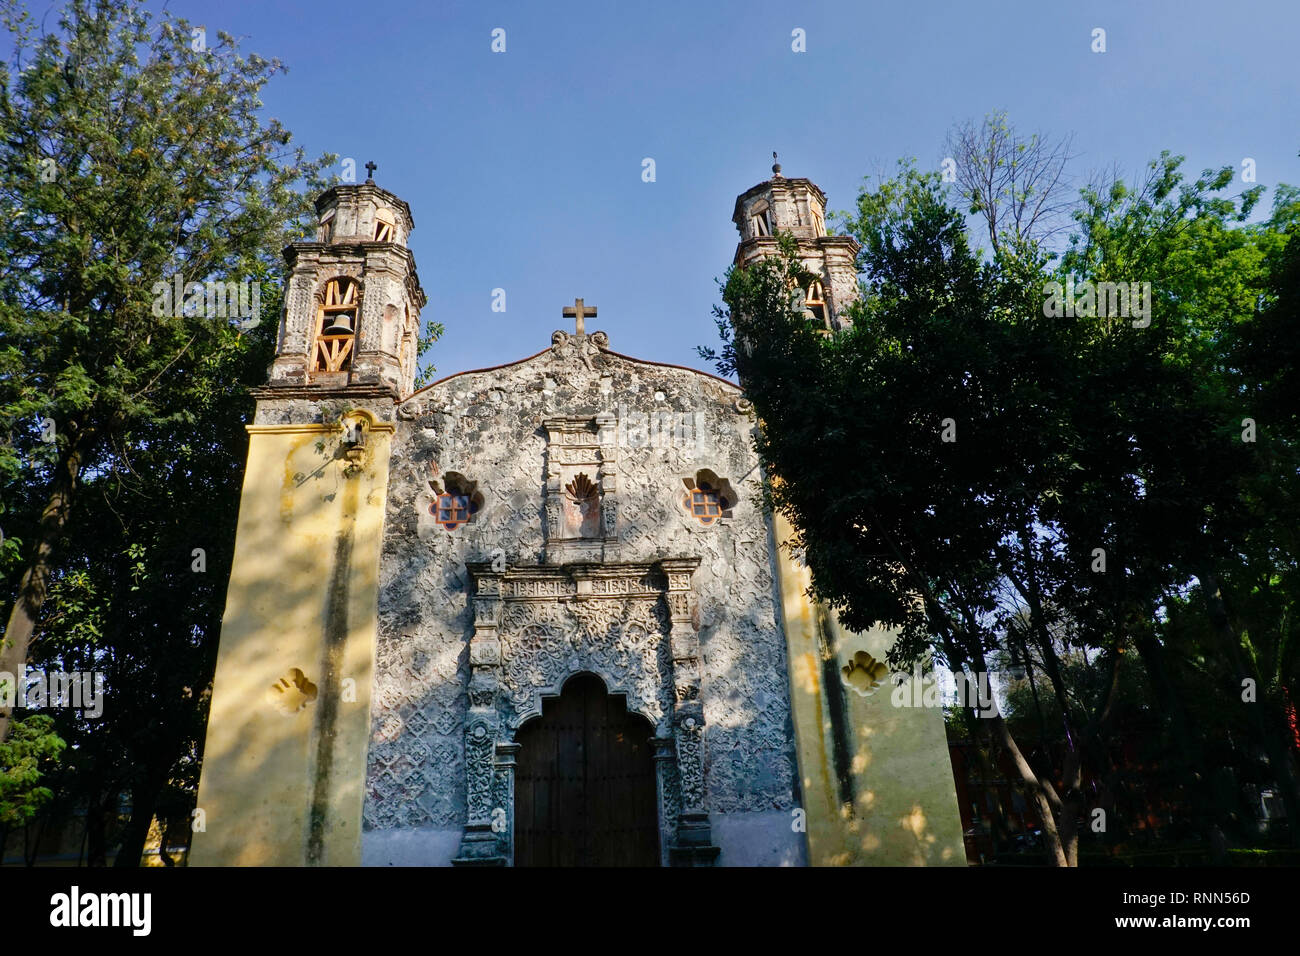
580 488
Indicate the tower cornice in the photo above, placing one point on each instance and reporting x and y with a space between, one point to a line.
748 249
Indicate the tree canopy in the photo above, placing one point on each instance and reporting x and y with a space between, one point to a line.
1055 459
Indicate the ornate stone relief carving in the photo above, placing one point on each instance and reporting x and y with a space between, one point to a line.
427 671
630 624
581 456
621 639
578 348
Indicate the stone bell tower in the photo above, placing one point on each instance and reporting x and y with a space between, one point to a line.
284 764
798 206
352 311
850 734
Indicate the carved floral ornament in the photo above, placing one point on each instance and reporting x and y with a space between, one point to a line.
543 644
611 620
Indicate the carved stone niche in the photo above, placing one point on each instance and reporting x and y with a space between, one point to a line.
581 504
631 625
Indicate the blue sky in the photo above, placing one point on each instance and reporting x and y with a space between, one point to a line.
523 169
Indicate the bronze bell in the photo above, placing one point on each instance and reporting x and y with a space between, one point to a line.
340 324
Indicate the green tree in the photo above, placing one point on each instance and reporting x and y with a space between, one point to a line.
1209 499
1021 482
943 394
132 154
139 597
31 744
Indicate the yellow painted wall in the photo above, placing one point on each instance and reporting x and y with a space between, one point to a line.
902 802
283 787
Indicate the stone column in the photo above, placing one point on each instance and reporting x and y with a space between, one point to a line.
503 811
291 360
607 476
376 360
694 846
669 806
480 845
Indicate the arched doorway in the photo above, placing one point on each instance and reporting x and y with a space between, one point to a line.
585 791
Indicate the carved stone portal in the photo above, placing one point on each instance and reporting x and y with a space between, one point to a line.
630 624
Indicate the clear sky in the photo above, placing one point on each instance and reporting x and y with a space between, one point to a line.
523 169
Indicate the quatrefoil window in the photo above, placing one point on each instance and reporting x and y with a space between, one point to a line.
708 498
456 500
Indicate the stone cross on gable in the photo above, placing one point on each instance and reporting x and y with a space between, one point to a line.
370 171
578 312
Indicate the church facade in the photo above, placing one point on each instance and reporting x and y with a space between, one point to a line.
535 614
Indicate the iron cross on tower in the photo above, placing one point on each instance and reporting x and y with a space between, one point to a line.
578 312
370 171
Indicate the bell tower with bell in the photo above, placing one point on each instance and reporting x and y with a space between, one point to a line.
298 636
798 207
352 309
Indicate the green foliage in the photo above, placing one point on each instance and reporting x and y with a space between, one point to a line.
129 158
432 332
32 744
997 453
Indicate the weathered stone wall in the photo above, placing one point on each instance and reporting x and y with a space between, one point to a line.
487 426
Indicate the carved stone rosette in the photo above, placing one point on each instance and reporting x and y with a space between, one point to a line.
632 625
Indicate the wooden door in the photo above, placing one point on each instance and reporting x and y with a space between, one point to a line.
585 790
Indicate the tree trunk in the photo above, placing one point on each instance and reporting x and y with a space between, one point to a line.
144 799
1040 789
34 584
96 841
989 771
960 654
